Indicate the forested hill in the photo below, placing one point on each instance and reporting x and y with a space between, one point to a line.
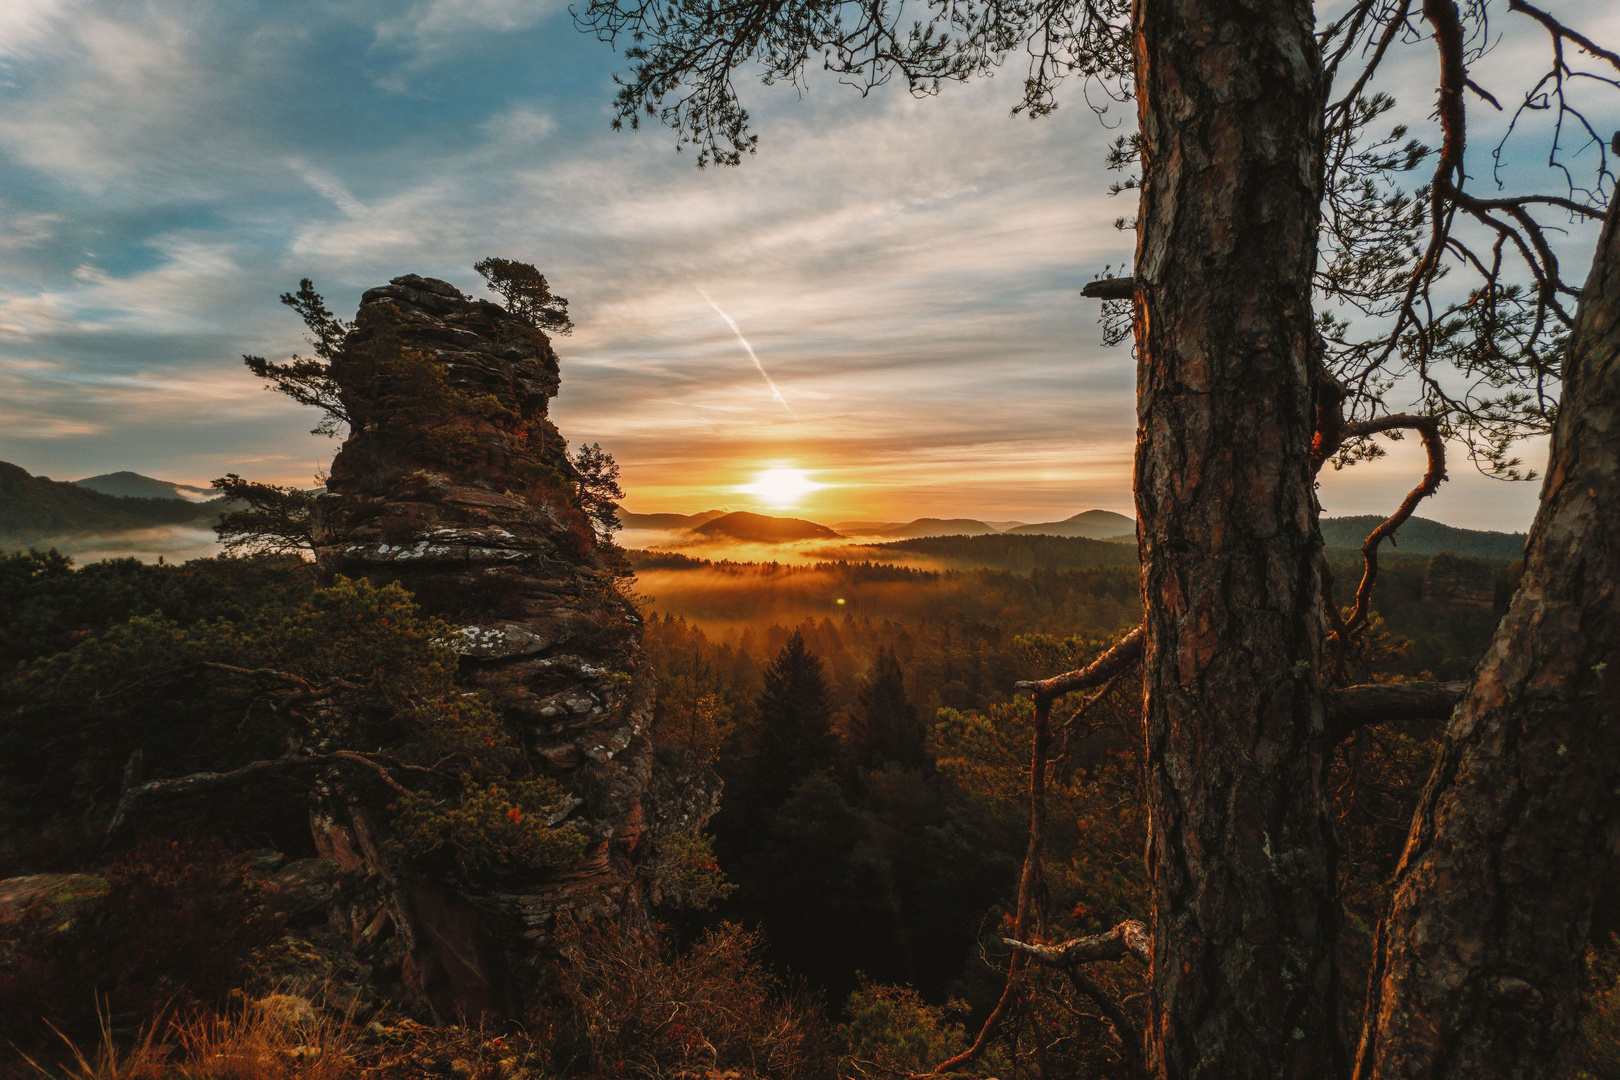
1421 536
1025 552
132 485
1001 551
38 507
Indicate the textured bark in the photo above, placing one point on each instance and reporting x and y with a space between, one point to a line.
1478 960
1353 707
1240 849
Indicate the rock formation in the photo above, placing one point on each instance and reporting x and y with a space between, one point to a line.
455 483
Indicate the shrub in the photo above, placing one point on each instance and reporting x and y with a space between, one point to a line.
686 875
172 933
892 1032
498 826
626 1008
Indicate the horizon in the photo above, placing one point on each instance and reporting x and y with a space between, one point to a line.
1047 514
789 513
862 301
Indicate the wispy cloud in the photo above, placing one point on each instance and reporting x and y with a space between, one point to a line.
909 270
24 22
749 349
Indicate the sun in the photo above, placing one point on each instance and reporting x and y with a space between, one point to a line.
781 487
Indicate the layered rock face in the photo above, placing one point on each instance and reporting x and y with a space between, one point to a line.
455 483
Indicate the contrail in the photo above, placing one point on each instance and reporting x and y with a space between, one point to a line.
775 393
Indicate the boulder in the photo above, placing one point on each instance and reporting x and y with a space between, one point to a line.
58 894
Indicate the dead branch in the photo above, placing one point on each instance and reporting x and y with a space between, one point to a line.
310 690
1429 428
1105 668
201 783
1125 1032
1125 652
257 673
1354 707
1028 881
1110 288
1129 938
1559 31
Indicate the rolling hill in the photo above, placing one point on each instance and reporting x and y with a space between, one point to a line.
763 530
132 485
668 521
37 507
1421 536
1091 524
866 528
939 527
1002 551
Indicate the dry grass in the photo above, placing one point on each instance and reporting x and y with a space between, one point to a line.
277 1038
626 1009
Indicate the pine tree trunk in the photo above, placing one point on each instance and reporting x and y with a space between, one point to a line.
1477 970
1241 856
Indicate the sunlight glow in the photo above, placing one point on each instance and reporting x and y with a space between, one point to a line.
781 487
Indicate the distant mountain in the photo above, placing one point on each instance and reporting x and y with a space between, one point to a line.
37 507
939 527
1003 526
668 521
865 528
1420 536
1092 525
764 530
132 485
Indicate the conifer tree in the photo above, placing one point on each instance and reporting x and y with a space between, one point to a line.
526 293
793 736
884 727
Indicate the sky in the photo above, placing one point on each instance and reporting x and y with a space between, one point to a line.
885 297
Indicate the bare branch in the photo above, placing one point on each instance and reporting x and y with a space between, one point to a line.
1110 288
1125 652
1354 707
1129 938
1129 1038
1429 429
202 783
1029 878
257 673
1559 31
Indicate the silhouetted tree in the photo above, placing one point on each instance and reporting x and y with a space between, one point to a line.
266 520
884 728
599 490
308 380
792 733
526 293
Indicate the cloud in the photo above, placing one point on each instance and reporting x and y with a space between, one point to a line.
24 22
520 127
329 187
909 270
428 32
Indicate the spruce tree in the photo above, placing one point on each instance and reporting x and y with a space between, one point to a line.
884 727
793 736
